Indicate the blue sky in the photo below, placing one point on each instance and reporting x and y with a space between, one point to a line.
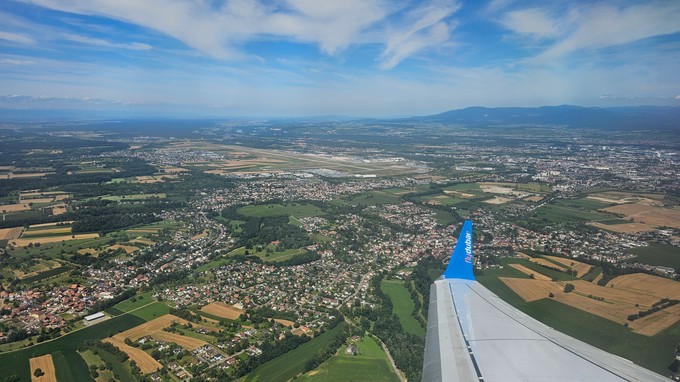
347 57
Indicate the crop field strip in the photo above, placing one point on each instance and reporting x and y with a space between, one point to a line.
223 310
581 268
612 303
537 275
45 364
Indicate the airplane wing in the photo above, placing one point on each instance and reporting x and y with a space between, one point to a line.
473 335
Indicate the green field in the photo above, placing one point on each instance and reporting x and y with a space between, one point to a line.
373 198
402 305
555 214
70 366
155 309
118 198
293 363
128 305
658 254
592 274
370 364
16 362
294 209
55 249
273 257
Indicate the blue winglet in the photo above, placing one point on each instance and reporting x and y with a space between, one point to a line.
460 266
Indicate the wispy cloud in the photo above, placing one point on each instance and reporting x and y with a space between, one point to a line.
423 27
533 22
106 44
16 37
220 30
592 26
12 61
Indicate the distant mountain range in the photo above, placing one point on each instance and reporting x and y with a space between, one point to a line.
611 118
615 118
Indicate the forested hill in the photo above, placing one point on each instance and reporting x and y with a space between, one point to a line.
614 118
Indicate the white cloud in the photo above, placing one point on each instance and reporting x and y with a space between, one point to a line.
535 22
15 37
12 61
593 26
218 30
106 44
424 27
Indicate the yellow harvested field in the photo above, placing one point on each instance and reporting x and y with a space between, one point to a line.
647 214
144 230
581 268
147 364
528 271
46 231
45 364
52 239
497 200
534 199
126 248
186 342
68 222
625 227
532 290
40 200
59 210
656 286
223 310
149 327
546 263
287 323
10 233
28 175
173 170
523 255
87 251
656 322
618 304
5 208
450 192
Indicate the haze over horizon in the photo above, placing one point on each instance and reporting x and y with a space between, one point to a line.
355 58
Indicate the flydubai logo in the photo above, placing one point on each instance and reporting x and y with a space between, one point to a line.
468 247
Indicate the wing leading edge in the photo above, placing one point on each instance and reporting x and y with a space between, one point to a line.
473 335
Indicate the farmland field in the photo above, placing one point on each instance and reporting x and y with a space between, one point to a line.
402 305
580 268
529 272
658 287
141 300
45 364
294 209
648 214
546 263
222 310
658 254
370 364
16 362
293 363
145 362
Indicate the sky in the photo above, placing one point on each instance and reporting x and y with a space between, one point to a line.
373 58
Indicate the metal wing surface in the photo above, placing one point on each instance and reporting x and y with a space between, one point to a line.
473 335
